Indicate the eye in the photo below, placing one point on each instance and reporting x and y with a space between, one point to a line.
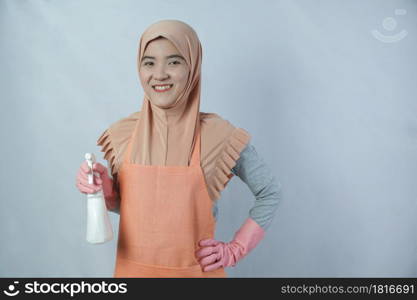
175 62
148 63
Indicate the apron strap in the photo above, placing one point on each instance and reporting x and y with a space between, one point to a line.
195 157
126 157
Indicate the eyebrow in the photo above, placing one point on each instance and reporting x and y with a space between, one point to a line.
169 56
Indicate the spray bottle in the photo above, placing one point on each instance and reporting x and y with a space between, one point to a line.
99 229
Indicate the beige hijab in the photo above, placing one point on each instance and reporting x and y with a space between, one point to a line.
166 136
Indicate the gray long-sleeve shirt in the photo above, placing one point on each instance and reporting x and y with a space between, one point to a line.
252 170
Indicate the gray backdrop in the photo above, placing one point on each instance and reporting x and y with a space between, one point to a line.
330 104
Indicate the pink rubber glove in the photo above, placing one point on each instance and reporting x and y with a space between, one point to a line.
215 254
103 182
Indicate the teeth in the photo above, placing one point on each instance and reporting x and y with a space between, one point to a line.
162 87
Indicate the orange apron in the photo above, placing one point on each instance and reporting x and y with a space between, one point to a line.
164 212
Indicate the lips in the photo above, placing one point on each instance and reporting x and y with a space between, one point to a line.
160 88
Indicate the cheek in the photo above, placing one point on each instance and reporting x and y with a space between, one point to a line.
144 79
182 77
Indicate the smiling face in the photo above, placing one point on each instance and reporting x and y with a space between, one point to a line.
163 72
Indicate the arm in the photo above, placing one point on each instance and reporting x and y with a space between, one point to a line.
113 200
252 170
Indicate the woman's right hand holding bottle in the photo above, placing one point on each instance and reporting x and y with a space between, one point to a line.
101 182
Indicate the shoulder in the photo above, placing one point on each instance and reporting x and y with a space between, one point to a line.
114 139
121 127
221 145
212 122
219 128
126 122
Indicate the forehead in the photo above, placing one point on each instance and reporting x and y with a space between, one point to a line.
160 46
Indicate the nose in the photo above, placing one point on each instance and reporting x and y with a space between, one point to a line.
160 73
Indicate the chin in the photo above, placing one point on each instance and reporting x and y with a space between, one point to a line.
163 104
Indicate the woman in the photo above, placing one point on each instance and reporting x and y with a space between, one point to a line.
169 163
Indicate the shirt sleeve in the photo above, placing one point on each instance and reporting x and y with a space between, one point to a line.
252 170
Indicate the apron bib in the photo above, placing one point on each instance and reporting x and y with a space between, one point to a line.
164 212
